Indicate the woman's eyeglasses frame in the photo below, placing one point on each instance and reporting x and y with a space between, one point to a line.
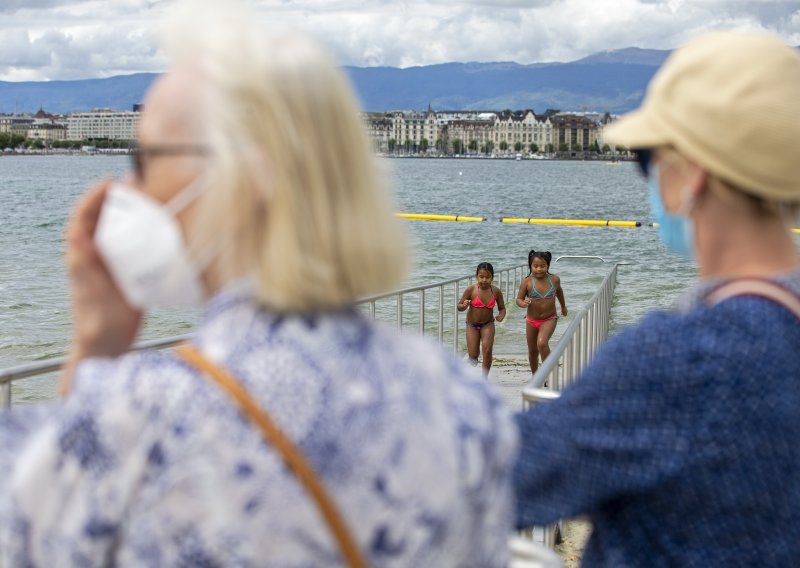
643 157
142 153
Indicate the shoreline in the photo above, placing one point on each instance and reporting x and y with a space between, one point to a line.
508 158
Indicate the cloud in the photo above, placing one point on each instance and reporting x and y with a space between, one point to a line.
57 39
11 6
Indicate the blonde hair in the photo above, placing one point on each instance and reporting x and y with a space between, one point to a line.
294 197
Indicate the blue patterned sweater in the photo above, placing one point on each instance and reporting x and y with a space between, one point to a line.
681 441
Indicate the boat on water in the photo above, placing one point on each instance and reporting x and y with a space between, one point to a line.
518 157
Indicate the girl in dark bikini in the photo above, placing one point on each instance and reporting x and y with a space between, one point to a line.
481 299
538 293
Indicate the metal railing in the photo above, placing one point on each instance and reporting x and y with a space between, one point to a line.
408 308
411 306
578 344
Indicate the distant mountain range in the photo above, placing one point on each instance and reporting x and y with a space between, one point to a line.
613 81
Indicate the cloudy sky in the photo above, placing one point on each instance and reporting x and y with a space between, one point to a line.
76 39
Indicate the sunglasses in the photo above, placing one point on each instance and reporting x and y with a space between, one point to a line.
643 158
143 153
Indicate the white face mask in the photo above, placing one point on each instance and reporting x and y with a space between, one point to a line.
142 244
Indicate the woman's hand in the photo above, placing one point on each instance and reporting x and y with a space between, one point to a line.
103 323
564 311
463 304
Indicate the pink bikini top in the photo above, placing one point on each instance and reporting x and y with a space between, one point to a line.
478 303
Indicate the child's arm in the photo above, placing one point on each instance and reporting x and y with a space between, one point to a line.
501 304
463 303
560 296
522 296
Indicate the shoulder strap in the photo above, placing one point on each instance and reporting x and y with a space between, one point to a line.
756 287
533 289
288 450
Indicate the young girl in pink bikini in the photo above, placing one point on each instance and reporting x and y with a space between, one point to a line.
538 292
481 299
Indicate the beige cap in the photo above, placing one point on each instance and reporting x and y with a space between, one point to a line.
729 102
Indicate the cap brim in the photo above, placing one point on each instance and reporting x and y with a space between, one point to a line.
637 129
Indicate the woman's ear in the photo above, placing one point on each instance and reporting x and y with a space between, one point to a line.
696 180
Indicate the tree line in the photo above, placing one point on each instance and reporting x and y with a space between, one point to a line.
460 147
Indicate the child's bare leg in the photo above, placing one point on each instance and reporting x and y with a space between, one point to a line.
545 333
531 334
487 342
473 344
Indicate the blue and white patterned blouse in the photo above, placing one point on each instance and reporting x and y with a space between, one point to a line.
148 464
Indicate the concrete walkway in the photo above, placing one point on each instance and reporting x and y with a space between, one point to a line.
509 376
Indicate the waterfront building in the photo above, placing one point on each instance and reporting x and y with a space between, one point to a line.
543 134
379 126
103 124
458 131
514 130
47 127
573 132
483 132
46 132
15 124
468 136
413 132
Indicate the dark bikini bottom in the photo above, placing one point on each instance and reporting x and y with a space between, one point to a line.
478 326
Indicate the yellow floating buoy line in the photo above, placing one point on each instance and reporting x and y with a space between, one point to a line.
583 222
428 217
532 221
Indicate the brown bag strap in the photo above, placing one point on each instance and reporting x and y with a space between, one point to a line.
290 453
756 287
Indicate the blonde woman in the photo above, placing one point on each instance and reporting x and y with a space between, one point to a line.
255 195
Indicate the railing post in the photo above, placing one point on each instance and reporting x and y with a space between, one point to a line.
5 395
441 314
372 310
422 312
455 316
400 311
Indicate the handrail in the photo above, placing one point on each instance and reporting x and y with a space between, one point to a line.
578 344
507 279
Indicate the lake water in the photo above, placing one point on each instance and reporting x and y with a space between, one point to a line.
37 193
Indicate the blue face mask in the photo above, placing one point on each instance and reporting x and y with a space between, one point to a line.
676 231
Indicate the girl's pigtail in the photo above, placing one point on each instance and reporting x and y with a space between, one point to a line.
531 254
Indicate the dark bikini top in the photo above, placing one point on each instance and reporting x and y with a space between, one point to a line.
534 294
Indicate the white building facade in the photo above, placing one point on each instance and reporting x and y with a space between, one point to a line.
103 124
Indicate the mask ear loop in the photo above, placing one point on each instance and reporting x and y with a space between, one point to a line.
201 259
688 201
186 196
